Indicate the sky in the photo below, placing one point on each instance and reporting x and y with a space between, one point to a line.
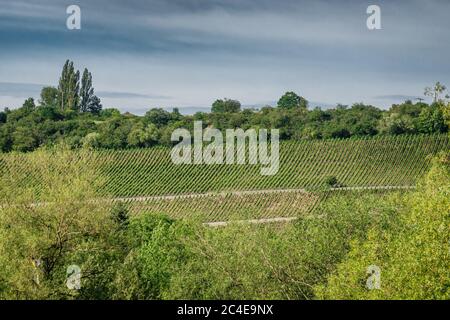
188 53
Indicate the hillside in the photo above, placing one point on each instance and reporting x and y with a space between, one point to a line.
387 161
148 181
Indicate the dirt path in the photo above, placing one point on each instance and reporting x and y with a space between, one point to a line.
251 192
241 193
253 221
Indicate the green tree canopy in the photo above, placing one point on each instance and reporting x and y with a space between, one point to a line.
436 91
291 100
431 120
3 117
141 136
29 105
226 105
158 117
89 101
69 87
49 97
94 105
86 90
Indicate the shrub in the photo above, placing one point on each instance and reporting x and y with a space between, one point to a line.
244 261
48 222
412 251
331 181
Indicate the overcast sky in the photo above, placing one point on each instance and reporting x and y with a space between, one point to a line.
187 53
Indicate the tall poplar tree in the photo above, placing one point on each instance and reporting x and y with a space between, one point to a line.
68 88
86 91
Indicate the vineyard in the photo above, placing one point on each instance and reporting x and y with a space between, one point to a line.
148 181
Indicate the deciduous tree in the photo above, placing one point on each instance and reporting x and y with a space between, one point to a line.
291 100
49 97
226 105
68 88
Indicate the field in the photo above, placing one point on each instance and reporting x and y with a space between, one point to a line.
389 161
147 181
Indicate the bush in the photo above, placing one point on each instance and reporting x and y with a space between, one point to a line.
244 261
331 181
91 140
48 222
154 253
412 250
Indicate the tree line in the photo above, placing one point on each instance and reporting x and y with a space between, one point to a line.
71 112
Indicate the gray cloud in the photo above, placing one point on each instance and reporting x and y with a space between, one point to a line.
397 97
20 90
25 90
129 95
160 25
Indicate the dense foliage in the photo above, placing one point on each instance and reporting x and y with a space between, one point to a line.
73 113
40 241
31 126
411 249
